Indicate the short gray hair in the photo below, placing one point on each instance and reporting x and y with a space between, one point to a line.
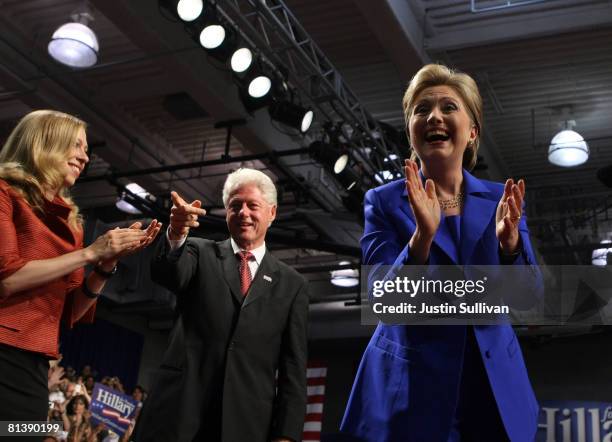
245 176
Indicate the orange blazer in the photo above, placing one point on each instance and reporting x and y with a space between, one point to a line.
30 319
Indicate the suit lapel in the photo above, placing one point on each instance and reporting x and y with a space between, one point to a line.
230 269
477 213
266 277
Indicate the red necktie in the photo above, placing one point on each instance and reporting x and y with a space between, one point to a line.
245 271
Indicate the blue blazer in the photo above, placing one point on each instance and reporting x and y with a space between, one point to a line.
407 383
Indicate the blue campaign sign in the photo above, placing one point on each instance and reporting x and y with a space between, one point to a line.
111 408
575 421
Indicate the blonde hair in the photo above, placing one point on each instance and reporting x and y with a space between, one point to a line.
432 75
31 159
243 176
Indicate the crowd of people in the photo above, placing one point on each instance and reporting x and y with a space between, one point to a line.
70 394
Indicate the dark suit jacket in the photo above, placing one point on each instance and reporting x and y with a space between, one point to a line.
217 379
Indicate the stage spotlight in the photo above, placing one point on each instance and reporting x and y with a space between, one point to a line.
212 35
335 160
384 176
341 163
241 60
324 153
129 201
185 10
256 88
189 10
292 115
259 86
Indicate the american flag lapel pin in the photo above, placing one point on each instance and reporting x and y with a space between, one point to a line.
267 278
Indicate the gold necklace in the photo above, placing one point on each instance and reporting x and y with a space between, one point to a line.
453 202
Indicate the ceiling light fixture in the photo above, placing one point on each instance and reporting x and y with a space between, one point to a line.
189 10
292 115
384 176
345 277
124 202
74 44
212 36
599 257
241 60
256 86
568 148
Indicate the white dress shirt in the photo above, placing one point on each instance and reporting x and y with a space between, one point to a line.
258 253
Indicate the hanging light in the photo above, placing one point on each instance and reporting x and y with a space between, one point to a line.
124 202
599 257
341 163
212 36
241 60
568 148
332 157
74 44
186 10
292 115
256 88
189 10
345 277
259 86
383 176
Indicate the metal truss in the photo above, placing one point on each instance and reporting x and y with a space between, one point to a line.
273 30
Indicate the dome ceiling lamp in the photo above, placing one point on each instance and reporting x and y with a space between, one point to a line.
568 148
346 277
74 44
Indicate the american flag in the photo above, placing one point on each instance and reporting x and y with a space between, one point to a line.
315 375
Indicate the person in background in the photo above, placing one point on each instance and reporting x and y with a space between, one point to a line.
89 383
42 258
76 419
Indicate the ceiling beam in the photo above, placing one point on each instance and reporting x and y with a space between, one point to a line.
399 31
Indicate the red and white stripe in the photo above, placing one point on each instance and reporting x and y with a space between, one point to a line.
115 415
315 375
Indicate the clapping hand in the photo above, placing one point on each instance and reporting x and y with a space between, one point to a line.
508 216
423 201
183 216
121 242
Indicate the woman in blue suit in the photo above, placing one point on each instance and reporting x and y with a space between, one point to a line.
445 383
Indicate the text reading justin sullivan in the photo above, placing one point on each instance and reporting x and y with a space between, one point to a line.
414 287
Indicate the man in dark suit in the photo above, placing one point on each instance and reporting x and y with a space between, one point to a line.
235 368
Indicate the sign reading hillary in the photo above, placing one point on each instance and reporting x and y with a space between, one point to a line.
575 421
111 408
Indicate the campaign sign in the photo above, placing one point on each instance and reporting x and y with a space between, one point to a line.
111 408
575 421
